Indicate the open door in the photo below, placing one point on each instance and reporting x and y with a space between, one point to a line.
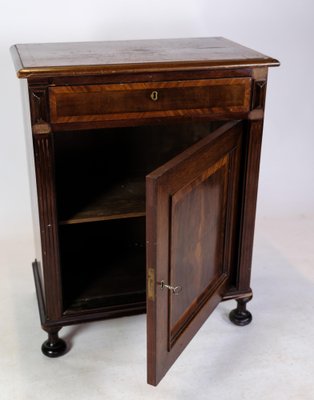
191 229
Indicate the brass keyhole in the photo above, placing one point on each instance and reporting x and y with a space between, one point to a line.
154 95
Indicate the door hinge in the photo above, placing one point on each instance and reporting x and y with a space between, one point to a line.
150 284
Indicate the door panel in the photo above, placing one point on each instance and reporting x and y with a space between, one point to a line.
191 203
197 231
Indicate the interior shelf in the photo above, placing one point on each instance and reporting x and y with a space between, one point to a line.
100 174
122 199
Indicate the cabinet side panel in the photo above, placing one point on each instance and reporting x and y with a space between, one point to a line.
249 187
253 151
31 171
41 164
44 162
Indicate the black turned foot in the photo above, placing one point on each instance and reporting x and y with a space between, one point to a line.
54 346
241 316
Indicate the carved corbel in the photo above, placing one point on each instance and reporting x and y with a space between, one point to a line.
258 94
39 104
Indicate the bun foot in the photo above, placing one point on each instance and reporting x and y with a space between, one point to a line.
241 316
53 346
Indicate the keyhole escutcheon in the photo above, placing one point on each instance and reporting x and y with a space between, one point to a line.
154 95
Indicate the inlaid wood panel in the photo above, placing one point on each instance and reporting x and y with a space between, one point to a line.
198 216
191 208
148 99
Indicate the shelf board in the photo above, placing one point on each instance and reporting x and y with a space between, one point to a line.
109 303
123 199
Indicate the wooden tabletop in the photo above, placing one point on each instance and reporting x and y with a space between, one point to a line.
96 58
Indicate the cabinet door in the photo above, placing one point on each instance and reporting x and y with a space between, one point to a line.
191 228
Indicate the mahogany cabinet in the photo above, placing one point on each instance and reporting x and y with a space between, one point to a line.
144 161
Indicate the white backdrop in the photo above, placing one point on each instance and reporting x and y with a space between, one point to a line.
279 28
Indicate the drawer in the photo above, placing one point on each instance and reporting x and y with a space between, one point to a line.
149 100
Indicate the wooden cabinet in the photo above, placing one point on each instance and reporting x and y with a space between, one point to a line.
146 159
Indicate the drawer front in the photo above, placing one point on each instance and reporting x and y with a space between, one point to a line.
149 99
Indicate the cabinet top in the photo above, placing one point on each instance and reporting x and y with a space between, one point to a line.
97 58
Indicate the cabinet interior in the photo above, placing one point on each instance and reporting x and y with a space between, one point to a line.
100 186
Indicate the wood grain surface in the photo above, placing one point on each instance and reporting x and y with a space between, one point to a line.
88 58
